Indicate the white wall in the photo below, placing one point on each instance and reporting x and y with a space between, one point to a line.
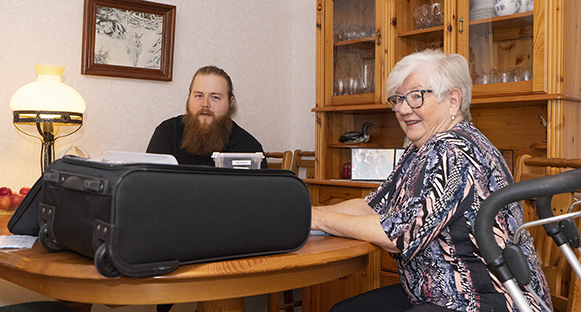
267 47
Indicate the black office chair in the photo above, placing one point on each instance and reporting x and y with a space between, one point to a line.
37 306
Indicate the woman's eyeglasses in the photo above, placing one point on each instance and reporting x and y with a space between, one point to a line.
414 98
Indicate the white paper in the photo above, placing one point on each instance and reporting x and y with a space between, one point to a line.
17 241
317 232
116 157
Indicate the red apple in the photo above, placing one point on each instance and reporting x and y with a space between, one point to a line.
24 190
5 191
4 202
15 201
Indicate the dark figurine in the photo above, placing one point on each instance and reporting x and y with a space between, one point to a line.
356 136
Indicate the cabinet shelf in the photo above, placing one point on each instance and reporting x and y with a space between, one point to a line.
369 41
426 35
508 21
519 100
510 27
354 108
351 99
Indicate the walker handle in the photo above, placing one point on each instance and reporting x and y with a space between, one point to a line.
543 188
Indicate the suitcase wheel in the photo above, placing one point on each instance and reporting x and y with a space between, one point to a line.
46 241
102 263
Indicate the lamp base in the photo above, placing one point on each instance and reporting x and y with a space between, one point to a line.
47 150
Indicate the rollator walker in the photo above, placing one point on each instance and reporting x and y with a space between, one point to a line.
510 265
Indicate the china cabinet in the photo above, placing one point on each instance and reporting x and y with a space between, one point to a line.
525 66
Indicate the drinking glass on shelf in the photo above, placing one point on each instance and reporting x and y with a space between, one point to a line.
486 77
370 28
363 33
506 76
353 86
420 17
428 15
366 74
437 14
339 87
340 29
524 73
351 32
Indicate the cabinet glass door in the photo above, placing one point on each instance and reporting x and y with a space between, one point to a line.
419 25
501 54
354 44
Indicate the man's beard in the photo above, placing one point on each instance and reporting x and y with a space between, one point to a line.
203 139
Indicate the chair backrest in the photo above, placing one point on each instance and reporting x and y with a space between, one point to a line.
279 160
564 285
304 159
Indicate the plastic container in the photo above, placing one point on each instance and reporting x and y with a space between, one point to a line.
238 160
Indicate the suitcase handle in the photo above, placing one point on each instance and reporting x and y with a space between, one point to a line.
77 182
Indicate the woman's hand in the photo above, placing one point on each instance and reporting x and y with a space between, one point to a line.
354 219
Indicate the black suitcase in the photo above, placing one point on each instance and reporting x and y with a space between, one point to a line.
148 219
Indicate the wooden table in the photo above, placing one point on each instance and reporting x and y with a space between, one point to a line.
216 286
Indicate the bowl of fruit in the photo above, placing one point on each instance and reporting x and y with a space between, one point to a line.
10 200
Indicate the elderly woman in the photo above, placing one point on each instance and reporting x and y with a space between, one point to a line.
424 213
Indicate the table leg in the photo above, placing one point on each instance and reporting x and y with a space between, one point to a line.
226 305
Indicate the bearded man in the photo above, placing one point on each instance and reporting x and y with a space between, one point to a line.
208 126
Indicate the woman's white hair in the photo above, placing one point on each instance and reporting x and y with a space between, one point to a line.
442 72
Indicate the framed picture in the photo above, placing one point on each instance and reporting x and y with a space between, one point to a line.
128 38
398 153
372 164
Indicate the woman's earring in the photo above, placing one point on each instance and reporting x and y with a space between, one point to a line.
453 116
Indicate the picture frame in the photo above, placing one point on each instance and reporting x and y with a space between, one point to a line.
372 164
129 39
398 154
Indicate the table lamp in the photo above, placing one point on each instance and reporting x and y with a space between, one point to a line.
47 104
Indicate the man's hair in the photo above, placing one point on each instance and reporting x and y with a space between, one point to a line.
213 70
442 72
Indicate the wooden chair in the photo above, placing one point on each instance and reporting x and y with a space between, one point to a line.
304 159
300 159
563 283
279 160
288 305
